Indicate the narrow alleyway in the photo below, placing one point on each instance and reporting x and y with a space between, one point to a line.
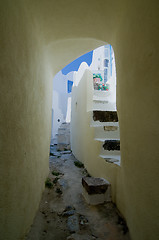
64 214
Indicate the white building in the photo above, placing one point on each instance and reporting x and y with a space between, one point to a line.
103 63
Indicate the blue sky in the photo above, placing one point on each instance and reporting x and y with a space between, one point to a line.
73 66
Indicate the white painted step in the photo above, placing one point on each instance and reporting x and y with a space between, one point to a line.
117 157
63 146
105 139
97 98
105 132
63 138
109 153
65 125
101 94
101 105
100 124
111 159
63 131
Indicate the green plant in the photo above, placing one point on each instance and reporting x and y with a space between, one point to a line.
78 164
48 183
55 180
55 173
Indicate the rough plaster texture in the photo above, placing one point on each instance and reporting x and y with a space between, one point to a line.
31 33
86 149
25 103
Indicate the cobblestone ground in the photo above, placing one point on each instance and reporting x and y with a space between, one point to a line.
64 214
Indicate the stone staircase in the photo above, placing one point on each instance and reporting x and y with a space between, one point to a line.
63 137
106 126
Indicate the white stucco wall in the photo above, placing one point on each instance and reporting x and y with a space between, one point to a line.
97 59
85 148
61 102
97 66
31 34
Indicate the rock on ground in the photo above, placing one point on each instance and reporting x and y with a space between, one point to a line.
63 209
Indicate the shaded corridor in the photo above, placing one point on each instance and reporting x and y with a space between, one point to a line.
64 201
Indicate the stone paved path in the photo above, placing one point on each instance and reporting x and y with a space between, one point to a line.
64 214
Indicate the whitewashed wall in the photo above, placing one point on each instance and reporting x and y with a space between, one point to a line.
61 104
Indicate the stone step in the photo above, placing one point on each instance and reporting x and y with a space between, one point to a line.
63 131
53 141
109 152
111 145
98 98
63 138
97 124
104 139
105 116
63 147
107 132
65 125
101 94
111 158
96 190
103 106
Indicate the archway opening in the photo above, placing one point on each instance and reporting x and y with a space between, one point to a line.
102 103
